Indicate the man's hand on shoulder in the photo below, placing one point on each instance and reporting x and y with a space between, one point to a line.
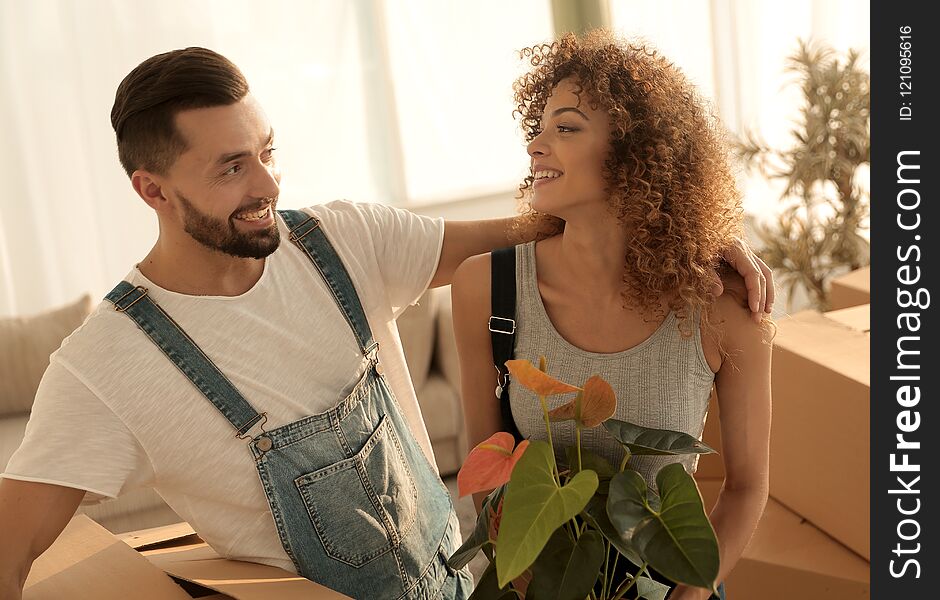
757 277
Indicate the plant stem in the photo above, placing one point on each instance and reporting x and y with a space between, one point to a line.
571 530
613 573
577 433
626 587
623 463
606 564
548 430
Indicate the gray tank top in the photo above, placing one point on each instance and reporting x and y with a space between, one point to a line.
663 382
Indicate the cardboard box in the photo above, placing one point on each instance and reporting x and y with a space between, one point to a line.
790 558
819 454
851 289
88 562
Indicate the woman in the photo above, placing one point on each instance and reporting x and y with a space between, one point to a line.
630 178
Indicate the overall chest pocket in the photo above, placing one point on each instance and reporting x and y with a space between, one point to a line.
362 507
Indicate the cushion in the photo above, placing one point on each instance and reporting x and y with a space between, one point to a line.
25 346
416 329
12 430
447 359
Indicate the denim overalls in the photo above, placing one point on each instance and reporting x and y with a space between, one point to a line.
356 503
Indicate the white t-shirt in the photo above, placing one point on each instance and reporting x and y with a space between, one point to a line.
113 413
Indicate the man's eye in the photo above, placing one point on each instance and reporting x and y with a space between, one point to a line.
268 154
233 170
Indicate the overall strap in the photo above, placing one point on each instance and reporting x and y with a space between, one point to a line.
502 326
185 354
306 234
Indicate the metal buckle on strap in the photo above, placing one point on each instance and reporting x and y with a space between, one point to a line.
295 238
502 381
261 418
117 303
372 351
508 329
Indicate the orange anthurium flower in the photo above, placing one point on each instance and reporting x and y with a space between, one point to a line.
598 403
565 412
538 381
490 464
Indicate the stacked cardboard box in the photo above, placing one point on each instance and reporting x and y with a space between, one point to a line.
851 289
813 539
790 558
169 563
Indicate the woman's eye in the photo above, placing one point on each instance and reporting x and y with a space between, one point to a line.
565 129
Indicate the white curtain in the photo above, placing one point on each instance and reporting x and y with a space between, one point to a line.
735 51
399 101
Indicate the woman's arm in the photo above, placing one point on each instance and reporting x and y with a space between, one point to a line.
470 295
743 387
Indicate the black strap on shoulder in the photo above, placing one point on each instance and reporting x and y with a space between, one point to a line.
502 326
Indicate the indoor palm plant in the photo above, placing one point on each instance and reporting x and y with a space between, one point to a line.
567 526
818 232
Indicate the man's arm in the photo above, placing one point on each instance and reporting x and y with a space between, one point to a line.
463 239
32 515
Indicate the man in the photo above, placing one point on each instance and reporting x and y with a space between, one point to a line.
259 386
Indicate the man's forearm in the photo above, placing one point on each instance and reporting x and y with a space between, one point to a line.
32 515
11 583
463 239
15 561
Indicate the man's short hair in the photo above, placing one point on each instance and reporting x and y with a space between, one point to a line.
147 101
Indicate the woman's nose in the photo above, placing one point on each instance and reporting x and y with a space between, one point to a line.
537 147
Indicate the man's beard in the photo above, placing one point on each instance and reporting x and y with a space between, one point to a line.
221 235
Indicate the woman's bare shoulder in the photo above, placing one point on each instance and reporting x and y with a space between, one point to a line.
471 281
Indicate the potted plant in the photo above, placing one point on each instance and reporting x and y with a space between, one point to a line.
567 526
818 234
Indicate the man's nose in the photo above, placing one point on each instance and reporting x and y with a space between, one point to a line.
267 182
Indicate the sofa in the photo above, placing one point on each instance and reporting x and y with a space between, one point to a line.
426 334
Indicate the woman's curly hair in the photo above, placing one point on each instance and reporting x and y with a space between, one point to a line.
668 173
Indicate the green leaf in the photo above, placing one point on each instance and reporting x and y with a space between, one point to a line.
463 555
534 507
678 541
627 502
645 440
589 461
650 589
566 570
481 532
488 587
595 513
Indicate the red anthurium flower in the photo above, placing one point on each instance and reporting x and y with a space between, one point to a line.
598 403
490 464
538 381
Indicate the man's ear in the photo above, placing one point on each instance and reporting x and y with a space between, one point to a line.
150 188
